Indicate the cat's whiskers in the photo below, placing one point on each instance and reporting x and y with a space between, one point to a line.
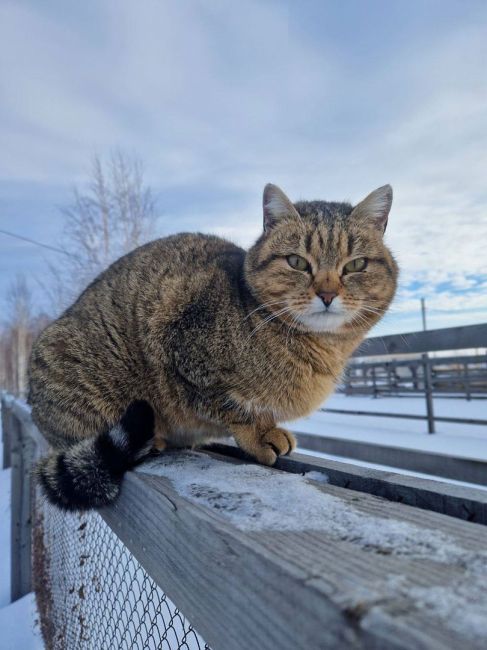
269 319
263 306
360 321
372 310
389 308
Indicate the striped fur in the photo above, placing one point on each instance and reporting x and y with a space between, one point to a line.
218 340
88 474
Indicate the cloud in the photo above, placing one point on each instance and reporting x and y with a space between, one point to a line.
218 101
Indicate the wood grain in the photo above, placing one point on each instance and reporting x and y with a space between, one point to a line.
283 589
446 498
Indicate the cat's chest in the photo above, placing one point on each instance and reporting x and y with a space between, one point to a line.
302 394
291 392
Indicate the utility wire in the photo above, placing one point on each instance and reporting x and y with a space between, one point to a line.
36 243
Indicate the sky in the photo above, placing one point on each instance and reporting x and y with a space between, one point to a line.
327 99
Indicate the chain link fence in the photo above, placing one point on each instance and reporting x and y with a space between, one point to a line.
94 594
91 592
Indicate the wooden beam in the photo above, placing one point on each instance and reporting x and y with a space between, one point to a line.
405 416
273 587
458 501
362 575
234 593
425 462
450 338
6 426
25 445
21 452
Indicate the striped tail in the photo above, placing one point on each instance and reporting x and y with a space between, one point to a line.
89 474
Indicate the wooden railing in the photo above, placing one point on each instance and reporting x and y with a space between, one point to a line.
462 376
449 338
310 554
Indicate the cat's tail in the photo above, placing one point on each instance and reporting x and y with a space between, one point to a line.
88 474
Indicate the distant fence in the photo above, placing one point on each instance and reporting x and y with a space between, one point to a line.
461 376
448 338
464 376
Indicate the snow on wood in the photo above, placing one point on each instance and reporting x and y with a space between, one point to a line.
424 564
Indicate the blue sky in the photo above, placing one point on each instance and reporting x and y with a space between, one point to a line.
327 99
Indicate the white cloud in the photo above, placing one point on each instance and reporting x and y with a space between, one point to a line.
224 99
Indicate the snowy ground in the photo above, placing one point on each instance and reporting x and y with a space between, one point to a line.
464 441
19 628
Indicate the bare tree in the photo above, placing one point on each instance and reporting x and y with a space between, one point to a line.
114 215
17 334
19 301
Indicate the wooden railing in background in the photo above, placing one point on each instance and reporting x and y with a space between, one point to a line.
461 376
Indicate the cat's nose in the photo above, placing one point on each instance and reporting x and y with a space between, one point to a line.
327 297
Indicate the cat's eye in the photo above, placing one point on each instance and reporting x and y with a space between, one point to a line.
358 264
299 263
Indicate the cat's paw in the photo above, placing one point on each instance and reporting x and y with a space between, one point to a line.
273 443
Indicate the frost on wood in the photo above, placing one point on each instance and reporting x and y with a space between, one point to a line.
255 498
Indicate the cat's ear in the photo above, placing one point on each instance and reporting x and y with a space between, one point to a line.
375 207
276 206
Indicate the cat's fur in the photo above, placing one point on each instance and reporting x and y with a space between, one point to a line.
216 340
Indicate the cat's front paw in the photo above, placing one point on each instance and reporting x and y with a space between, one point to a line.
273 443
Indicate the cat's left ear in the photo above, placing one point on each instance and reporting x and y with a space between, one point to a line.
276 206
375 207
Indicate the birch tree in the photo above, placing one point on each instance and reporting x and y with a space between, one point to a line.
114 214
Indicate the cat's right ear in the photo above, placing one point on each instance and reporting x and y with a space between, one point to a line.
375 207
276 206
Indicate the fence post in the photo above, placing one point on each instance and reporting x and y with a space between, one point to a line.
428 393
6 426
347 381
374 382
414 373
467 381
22 456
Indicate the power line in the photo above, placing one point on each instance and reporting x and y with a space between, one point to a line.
33 241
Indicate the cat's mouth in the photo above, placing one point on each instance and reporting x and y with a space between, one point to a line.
324 320
324 312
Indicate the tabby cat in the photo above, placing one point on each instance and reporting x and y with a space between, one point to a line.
190 338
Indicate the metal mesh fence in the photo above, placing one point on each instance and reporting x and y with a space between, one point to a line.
92 593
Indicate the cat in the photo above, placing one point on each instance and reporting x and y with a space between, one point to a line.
189 338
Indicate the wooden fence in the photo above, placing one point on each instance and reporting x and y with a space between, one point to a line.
311 554
461 376
464 376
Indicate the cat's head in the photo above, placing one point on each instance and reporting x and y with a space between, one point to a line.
323 266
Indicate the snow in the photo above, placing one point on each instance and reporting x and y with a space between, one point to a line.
255 498
321 477
464 608
19 625
462 441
